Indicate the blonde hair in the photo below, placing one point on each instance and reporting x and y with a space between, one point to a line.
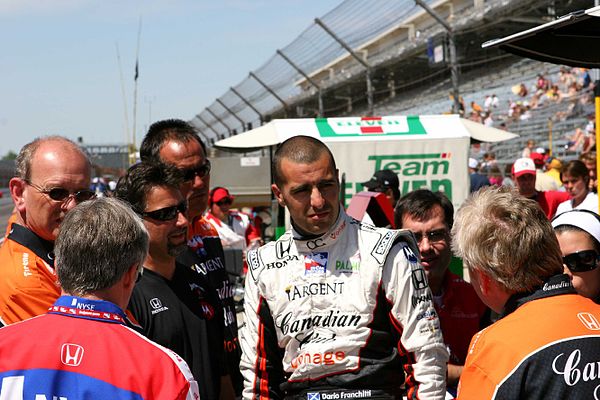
508 237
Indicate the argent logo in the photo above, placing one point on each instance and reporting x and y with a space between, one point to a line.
589 320
155 303
71 354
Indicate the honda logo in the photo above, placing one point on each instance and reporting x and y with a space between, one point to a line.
71 354
155 303
418 278
589 320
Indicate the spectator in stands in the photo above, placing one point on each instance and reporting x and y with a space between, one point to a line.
476 108
495 176
553 169
526 153
385 181
578 234
507 180
495 101
576 178
589 159
477 180
236 229
524 175
543 182
81 348
52 176
170 301
539 348
175 142
429 215
487 102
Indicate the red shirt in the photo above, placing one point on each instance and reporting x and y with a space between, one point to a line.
460 316
549 201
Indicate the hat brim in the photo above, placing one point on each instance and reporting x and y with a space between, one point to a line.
371 184
521 173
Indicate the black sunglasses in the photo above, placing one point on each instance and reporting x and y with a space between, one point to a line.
581 261
62 194
225 202
167 213
200 172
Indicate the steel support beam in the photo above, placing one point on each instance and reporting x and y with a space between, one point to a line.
232 113
357 58
308 78
285 106
262 118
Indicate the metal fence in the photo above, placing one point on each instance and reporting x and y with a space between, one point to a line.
274 86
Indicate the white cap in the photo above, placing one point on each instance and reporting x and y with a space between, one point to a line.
523 166
540 150
582 219
473 163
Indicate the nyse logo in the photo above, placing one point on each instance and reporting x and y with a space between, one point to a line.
418 279
589 321
71 354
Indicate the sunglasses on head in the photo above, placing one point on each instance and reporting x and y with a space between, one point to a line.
167 213
200 172
581 261
62 194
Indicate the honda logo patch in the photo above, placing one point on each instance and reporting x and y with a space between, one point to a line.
71 354
589 320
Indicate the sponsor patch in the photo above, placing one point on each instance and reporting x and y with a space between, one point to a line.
384 243
315 263
419 280
408 253
428 315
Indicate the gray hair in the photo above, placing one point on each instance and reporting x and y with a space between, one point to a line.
508 237
98 242
27 153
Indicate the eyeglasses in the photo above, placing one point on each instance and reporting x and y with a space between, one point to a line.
167 213
581 261
433 236
224 202
200 172
62 194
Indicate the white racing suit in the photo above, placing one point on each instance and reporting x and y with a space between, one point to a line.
339 316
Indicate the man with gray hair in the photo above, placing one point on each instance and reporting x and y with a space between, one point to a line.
52 177
85 350
546 341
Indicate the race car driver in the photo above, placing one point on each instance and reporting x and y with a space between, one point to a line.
335 308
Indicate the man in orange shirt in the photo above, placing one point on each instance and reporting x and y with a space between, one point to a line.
545 344
53 176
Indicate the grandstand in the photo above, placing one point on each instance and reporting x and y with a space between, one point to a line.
402 50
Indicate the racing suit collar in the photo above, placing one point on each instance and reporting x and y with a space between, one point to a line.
553 286
331 236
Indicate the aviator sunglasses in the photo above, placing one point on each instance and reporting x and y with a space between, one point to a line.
190 173
581 261
62 194
167 213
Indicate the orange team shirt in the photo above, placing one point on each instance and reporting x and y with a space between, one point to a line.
28 283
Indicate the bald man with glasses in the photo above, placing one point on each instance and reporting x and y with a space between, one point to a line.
52 176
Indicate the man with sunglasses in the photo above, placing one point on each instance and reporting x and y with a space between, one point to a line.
175 142
170 302
545 344
52 177
430 215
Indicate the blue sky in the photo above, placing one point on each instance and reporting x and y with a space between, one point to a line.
59 72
